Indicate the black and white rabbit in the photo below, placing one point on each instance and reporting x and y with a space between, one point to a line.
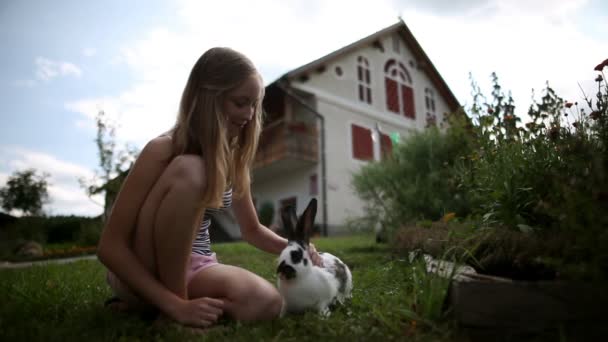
303 285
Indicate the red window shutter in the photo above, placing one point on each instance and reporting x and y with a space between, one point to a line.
386 145
392 97
408 102
362 143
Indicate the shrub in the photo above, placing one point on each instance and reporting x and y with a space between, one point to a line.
266 213
417 181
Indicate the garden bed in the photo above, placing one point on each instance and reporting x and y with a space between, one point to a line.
488 306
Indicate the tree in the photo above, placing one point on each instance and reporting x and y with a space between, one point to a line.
27 191
114 164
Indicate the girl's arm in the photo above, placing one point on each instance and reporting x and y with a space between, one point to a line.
259 235
252 230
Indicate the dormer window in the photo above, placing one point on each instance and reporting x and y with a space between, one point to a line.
364 80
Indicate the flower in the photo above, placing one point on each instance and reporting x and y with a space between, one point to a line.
601 66
595 114
508 117
490 110
568 104
575 124
448 217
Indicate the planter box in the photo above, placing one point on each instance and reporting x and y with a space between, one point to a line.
490 308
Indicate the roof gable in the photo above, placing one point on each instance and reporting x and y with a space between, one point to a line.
400 28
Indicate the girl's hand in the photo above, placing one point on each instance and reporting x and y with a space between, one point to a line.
199 312
314 255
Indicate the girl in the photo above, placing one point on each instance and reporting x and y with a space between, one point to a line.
154 245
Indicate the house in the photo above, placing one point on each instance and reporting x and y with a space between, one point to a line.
328 118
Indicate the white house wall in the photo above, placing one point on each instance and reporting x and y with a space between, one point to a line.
296 183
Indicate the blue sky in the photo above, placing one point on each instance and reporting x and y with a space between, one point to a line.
64 60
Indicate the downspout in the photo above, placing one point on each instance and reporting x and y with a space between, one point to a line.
283 85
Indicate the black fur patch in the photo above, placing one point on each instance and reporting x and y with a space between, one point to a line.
341 275
305 262
288 271
296 256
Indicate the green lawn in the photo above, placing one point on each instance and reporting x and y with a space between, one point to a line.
392 300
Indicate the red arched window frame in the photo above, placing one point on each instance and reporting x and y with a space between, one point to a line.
399 91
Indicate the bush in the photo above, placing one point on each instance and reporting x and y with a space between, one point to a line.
266 213
417 181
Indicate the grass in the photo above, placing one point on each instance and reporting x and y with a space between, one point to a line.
392 300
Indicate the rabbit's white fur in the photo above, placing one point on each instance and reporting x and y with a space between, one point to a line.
303 285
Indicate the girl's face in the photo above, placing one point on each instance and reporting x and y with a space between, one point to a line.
239 104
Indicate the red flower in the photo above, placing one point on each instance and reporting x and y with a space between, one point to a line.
601 66
508 117
575 124
595 114
490 110
568 104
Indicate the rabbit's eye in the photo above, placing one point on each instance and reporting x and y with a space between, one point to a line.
296 256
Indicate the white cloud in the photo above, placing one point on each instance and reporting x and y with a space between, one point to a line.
65 194
47 69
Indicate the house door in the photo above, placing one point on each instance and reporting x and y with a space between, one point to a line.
293 201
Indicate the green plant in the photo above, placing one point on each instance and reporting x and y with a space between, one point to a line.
417 181
266 213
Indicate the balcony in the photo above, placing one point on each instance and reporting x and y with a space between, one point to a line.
286 146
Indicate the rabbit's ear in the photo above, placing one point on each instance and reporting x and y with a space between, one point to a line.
307 222
288 215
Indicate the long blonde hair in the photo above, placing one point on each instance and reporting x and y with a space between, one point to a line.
201 127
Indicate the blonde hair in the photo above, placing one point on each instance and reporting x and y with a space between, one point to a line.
201 127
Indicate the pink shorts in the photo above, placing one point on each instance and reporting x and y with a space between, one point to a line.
197 263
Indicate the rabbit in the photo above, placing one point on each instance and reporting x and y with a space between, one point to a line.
303 285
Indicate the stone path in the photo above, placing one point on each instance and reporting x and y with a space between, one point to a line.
10 265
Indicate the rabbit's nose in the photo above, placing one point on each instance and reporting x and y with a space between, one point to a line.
286 270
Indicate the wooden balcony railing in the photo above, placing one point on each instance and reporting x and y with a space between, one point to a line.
282 140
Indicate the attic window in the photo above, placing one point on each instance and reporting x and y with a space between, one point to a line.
338 71
396 45
364 80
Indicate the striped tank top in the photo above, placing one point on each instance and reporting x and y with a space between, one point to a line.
202 242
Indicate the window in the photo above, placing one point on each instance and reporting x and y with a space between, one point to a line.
364 81
314 185
396 46
285 202
399 91
363 146
338 71
429 101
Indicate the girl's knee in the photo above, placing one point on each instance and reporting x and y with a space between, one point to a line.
187 172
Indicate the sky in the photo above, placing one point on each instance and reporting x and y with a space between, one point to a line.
62 61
